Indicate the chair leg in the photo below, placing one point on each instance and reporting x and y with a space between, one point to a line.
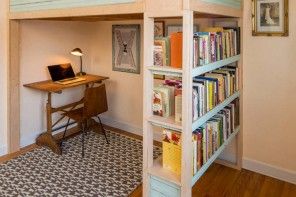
83 135
64 135
103 130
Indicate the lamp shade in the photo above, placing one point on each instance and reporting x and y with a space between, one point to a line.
77 52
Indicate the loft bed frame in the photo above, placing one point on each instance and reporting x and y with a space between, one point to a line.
148 10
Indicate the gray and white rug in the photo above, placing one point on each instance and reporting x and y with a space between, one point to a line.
106 170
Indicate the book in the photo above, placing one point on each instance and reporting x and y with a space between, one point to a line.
176 49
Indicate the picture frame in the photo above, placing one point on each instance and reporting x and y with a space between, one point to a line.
159 30
270 17
126 48
177 28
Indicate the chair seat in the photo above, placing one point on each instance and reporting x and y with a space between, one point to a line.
76 114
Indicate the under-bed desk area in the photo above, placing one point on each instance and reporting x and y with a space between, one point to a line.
42 32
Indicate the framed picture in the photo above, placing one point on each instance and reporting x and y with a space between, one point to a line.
126 48
177 28
159 28
270 17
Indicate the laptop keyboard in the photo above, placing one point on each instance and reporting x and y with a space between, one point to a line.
70 80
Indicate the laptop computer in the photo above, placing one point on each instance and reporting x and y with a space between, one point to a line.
63 74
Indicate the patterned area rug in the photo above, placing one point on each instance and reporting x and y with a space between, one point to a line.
106 170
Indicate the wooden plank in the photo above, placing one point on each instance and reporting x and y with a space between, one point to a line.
163 8
213 66
50 86
31 5
147 103
229 3
216 9
168 123
187 65
157 170
112 9
14 87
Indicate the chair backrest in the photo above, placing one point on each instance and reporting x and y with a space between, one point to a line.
95 101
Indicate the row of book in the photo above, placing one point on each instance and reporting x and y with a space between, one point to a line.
206 140
167 99
215 44
168 50
213 88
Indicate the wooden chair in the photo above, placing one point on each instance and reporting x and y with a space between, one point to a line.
95 103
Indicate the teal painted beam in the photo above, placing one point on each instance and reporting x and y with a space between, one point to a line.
230 3
34 5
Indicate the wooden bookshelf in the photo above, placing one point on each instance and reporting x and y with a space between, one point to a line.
153 170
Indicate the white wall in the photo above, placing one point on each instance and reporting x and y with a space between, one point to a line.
270 100
124 90
3 76
46 43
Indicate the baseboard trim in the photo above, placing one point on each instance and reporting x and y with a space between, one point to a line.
3 150
270 170
127 127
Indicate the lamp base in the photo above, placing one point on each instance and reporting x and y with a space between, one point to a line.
80 74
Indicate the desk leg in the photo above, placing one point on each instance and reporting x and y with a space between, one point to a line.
46 139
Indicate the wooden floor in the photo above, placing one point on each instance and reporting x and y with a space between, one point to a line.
221 181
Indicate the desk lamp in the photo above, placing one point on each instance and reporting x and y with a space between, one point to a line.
78 52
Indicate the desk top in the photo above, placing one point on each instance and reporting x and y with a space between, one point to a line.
50 86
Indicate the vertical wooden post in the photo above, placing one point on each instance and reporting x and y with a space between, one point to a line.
187 149
147 103
48 114
14 87
239 136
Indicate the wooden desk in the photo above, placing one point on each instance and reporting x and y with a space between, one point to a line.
47 139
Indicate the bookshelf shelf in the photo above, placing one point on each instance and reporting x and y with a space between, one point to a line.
199 122
159 171
214 156
166 70
168 123
213 66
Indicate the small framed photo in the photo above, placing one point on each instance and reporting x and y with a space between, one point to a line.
158 28
270 17
177 28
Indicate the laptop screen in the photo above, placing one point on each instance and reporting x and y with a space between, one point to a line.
61 71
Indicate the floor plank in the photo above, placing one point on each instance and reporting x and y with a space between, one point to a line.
221 181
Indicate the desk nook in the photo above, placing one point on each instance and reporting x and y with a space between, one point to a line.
190 79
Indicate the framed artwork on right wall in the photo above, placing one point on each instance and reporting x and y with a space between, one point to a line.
270 17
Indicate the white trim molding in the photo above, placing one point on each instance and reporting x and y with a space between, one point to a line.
270 170
126 127
3 150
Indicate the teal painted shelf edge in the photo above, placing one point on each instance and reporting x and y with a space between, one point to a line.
203 119
33 5
230 3
213 66
204 168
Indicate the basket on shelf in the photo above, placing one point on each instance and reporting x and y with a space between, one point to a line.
171 157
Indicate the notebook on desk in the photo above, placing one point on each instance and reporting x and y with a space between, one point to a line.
63 74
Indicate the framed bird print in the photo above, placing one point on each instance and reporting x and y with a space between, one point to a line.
126 48
270 18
